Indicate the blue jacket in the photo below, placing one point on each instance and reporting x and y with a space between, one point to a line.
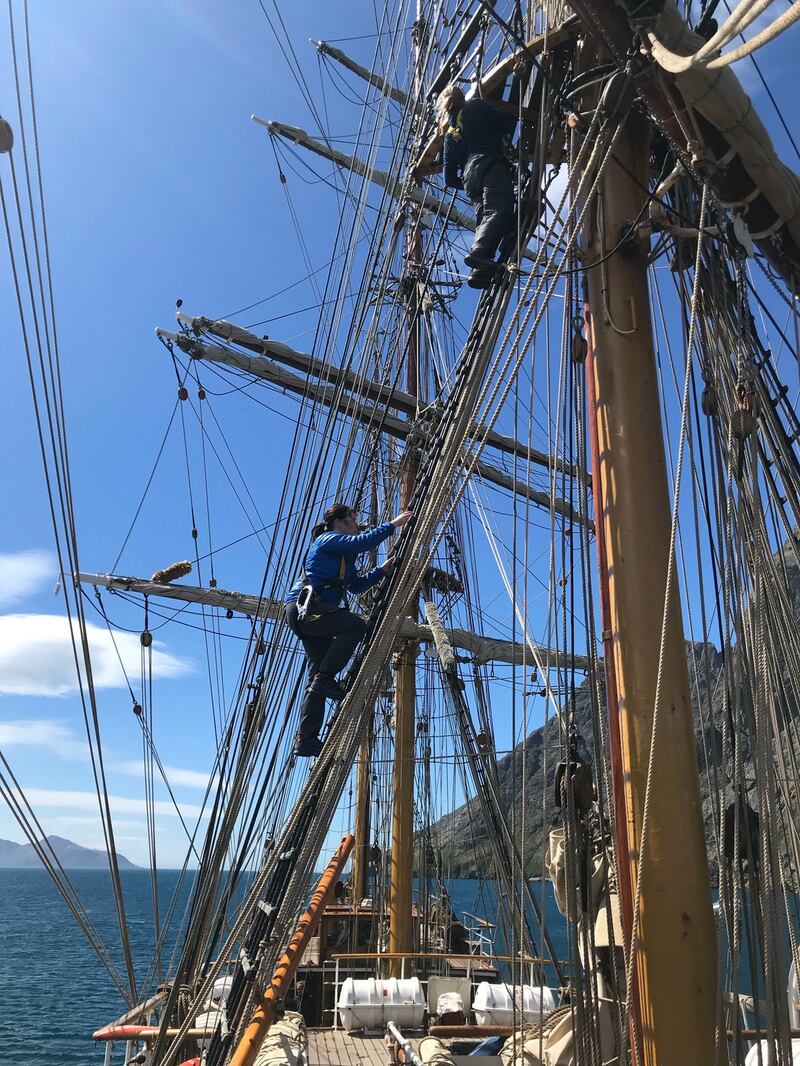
478 129
323 561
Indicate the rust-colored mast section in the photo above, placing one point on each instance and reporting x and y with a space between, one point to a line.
676 960
267 1010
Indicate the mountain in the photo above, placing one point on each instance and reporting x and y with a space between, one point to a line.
459 836
71 856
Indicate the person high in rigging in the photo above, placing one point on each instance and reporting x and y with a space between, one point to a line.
475 140
329 631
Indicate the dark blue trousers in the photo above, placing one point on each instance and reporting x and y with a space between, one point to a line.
329 641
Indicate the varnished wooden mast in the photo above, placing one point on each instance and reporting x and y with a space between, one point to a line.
677 955
401 867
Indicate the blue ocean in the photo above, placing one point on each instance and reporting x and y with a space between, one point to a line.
54 991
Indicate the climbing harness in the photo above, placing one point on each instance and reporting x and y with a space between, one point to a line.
310 604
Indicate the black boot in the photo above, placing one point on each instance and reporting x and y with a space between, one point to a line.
307 747
325 685
480 279
478 261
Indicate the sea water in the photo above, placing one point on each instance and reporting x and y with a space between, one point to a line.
54 991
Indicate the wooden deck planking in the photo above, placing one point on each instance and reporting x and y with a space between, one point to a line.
334 1047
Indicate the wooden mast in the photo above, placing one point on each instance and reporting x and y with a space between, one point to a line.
676 971
363 848
401 867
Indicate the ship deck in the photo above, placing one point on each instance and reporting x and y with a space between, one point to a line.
335 1047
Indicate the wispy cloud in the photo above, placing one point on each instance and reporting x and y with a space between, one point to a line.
23 573
175 776
36 657
67 800
49 733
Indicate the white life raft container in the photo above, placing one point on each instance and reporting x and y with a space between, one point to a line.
512 1004
370 1004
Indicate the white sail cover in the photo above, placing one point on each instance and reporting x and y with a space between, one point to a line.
285 1043
719 97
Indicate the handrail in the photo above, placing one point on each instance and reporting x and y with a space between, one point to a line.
450 956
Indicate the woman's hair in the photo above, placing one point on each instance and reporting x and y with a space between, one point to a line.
339 511
450 99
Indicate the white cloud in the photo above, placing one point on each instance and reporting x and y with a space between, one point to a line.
67 800
47 733
23 573
36 656
175 776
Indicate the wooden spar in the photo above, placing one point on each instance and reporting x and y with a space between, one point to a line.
267 1010
379 418
399 190
507 481
330 394
363 813
376 391
401 864
481 649
369 76
135 1013
467 1032
677 953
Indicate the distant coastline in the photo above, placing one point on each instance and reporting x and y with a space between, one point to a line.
72 856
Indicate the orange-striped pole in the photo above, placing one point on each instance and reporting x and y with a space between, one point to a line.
267 1010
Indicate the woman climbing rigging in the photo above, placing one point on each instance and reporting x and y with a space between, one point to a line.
329 631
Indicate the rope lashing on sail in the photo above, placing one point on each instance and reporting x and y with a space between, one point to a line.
746 12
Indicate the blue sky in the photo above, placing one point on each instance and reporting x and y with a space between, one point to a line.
158 187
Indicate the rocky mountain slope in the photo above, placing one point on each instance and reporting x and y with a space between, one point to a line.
532 767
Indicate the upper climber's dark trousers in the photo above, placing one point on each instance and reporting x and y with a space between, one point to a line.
488 183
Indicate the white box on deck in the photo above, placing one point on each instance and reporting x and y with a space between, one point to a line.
512 1004
370 1004
437 985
